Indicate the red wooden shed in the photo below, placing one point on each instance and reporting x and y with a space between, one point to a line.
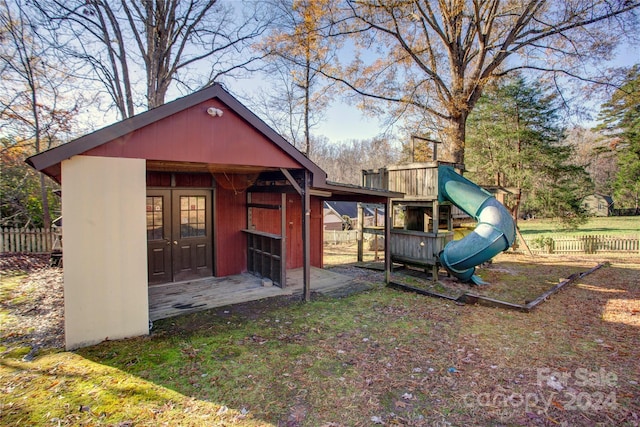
199 187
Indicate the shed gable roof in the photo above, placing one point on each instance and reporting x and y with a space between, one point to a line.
94 143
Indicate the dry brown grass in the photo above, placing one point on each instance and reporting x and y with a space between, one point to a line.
381 357
346 253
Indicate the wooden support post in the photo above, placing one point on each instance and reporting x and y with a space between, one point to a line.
375 224
359 235
388 213
306 238
435 228
523 242
249 211
436 217
250 259
283 241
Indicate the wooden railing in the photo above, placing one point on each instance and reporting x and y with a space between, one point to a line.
417 247
34 240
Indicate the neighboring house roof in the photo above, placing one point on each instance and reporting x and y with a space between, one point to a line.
331 215
608 199
49 162
347 208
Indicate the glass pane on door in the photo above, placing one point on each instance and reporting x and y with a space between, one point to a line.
192 216
155 220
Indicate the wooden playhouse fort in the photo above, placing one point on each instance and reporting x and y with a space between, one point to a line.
435 194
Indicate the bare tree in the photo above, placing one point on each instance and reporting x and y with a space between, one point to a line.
436 57
34 113
279 106
344 162
298 53
193 42
597 154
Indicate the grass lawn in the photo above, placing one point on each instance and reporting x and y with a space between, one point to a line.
611 226
380 357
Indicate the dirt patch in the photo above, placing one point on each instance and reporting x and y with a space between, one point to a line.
363 280
34 307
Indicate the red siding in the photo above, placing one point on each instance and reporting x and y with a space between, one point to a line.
317 236
231 242
268 220
294 231
158 179
186 180
193 180
193 136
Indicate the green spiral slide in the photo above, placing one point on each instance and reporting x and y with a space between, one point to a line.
494 233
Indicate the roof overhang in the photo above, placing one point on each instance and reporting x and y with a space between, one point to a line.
338 191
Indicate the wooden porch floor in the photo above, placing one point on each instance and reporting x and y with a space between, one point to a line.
173 299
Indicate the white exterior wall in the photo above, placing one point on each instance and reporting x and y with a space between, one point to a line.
105 249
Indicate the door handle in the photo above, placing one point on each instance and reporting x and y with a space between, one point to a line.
168 242
175 242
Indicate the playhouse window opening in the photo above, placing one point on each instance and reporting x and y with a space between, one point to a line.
420 218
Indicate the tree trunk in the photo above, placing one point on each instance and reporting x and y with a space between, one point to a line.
454 139
46 215
156 92
307 102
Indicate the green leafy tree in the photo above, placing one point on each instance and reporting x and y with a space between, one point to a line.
620 117
514 139
20 192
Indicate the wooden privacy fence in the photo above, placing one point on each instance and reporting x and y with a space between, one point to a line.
585 244
34 240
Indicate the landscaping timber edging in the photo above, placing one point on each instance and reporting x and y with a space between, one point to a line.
471 298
